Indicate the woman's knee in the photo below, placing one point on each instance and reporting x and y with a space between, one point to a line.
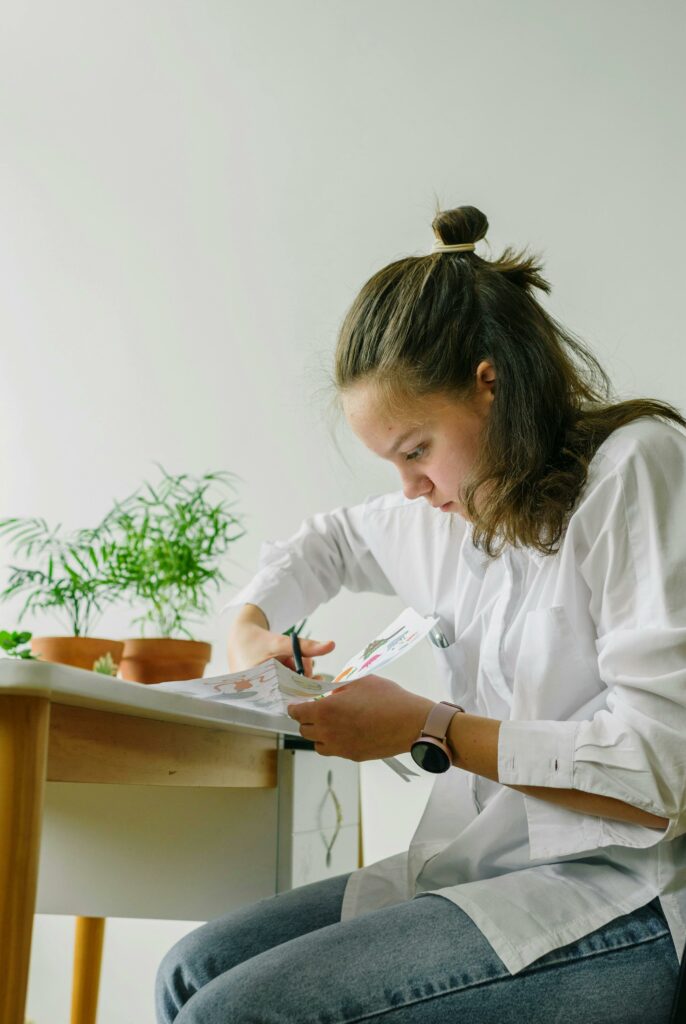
206 952
184 969
264 988
220 945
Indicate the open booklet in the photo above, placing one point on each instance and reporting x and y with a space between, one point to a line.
271 686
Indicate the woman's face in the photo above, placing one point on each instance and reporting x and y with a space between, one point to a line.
434 445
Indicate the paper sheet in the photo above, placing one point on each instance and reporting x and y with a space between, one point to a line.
271 686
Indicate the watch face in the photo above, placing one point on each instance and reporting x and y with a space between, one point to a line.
430 757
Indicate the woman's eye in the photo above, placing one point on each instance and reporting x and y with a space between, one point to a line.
416 454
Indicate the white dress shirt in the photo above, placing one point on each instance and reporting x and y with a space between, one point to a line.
581 655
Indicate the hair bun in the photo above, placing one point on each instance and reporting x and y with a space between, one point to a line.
461 225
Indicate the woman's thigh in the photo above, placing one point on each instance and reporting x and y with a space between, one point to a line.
425 961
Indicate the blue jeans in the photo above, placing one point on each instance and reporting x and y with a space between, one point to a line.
289 959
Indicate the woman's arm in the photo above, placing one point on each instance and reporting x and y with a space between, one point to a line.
330 550
374 717
474 743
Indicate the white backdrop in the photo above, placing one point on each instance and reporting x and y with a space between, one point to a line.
192 192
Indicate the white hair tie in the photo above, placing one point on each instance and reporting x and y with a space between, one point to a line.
463 247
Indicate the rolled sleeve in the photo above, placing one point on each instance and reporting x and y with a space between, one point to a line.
551 754
537 754
274 589
329 551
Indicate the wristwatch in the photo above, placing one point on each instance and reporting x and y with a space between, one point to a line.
430 750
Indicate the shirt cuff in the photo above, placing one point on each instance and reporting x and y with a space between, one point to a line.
537 753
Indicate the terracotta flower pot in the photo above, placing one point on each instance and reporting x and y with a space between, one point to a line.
78 651
160 659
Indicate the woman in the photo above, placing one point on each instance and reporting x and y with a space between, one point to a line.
543 523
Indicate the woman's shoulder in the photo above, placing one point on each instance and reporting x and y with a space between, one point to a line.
640 464
647 439
626 529
392 515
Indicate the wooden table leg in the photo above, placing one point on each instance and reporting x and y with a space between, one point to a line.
90 933
24 728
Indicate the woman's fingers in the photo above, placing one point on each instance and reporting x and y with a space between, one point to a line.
250 645
308 649
308 665
314 648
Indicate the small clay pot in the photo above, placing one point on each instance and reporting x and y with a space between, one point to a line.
160 659
78 651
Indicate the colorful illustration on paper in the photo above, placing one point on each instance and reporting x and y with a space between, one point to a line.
402 634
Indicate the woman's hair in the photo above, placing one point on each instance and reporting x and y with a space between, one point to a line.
422 325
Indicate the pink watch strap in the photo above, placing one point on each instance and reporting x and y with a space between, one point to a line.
439 718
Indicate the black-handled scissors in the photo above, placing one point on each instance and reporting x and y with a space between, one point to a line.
297 654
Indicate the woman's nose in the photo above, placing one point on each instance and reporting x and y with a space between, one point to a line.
415 486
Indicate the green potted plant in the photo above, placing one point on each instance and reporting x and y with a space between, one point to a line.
170 541
66 578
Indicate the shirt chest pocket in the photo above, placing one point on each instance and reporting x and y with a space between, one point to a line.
556 671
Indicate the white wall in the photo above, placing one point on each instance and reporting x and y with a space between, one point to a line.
190 195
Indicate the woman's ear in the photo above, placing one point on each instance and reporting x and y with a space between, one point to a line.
485 379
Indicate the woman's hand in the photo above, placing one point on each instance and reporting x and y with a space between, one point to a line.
363 720
251 642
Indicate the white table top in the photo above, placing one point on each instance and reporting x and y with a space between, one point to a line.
63 684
